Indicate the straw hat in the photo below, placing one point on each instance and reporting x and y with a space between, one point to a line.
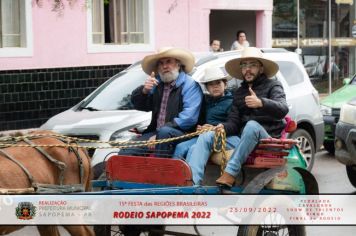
214 73
149 63
232 67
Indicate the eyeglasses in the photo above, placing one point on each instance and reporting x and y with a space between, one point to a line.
252 65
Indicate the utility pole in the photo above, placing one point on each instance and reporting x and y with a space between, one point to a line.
298 50
330 66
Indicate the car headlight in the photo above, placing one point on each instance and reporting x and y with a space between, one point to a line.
129 133
325 110
122 136
348 114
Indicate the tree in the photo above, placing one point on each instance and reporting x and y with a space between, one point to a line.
58 5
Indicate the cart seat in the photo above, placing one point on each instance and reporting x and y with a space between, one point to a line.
269 153
138 169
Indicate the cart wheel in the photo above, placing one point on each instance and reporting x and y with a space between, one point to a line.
274 223
271 230
108 230
129 230
104 230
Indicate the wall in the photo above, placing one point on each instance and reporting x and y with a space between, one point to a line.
61 41
29 97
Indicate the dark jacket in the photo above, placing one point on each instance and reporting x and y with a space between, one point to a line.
183 105
217 109
270 116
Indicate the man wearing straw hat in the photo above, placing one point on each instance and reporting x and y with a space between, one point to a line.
171 94
258 112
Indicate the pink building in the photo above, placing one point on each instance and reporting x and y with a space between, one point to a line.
51 60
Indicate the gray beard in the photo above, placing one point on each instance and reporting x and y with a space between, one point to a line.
169 77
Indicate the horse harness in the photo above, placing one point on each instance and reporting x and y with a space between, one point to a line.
48 188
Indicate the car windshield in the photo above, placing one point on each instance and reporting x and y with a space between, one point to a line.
116 93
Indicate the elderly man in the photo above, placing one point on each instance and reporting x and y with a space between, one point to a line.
171 94
258 112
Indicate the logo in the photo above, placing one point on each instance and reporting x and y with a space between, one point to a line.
25 211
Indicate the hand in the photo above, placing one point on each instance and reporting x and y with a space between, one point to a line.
199 127
149 83
252 101
205 126
219 127
151 146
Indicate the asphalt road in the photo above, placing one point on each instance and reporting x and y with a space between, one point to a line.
331 177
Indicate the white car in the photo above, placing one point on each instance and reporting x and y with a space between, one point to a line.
107 114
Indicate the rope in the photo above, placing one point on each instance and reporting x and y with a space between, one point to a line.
9 141
60 165
220 146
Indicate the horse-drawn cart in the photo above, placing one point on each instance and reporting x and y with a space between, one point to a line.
276 167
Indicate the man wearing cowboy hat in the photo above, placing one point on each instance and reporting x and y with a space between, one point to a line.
171 94
258 112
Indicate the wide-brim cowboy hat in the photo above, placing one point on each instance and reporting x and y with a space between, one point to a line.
214 73
149 63
270 68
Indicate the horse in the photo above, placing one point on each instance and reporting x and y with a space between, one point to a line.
30 169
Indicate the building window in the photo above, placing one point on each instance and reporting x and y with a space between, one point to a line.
12 21
15 20
121 22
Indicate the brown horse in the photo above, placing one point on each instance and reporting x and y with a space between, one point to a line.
44 167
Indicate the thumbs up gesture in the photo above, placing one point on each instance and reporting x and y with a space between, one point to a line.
150 83
252 101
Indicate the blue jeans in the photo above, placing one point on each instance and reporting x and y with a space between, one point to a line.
162 149
252 133
198 154
183 148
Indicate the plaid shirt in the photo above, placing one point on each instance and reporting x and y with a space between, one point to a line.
161 119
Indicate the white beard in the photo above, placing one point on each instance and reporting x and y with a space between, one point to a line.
170 76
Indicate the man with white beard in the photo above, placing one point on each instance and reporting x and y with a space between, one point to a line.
173 97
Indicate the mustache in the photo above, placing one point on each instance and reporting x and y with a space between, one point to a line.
169 76
253 74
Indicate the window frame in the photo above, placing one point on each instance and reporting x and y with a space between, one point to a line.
101 48
26 35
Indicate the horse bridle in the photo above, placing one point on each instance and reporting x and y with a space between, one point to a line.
60 165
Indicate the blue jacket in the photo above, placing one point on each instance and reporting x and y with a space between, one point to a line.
183 107
217 109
